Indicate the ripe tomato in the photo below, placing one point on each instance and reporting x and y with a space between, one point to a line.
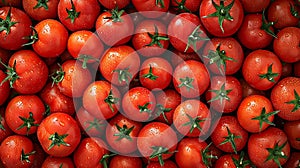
296 68
113 4
262 69
293 160
4 57
256 113
40 10
291 128
125 162
77 14
233 161
255 6
221 18
185 5
61 162
15 25
228 135
286 45
186 33
17 151
269 148
151 8
4 88
150 38
115 22
157 142
249 90
167 164
191 78
178 57
59 134
14 3
5 131
289 104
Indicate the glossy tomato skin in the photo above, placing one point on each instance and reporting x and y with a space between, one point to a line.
14 3
284 92
296 69
52 38
88 12
191 78
167 164
262 69
59 125
5 131
178 57
255 5
11 151
249 90
125 162
286 45
227 161
4 88
212 25
150 8
113 4
13 37
40 10
64 162
259 143
185 6
251 34
293 160
291 128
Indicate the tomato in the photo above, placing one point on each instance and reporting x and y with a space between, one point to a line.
78 15
221 18
191 78
249 90
138 104
125 162
283 13
224 94
186 33
291 128
178 57
62 162
269 148
192 118
50 38
59 134
40 10
287 70
151 8
228 135
293 160
90 152
255 5
85 46
115 22
4 88
223 56
101 99
5 131
167 164
4 57
17 151
150 38
185 5
232 161
121 134
155 73
262 69
14 3
116 65
255 32
288 105
15 25
296 68
157 142
113 4
286 45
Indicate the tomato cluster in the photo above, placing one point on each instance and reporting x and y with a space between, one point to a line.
150 83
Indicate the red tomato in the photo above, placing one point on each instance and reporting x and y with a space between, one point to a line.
4 88
296 68
191 78
59 134
14 3
178 57
262 69
269 148
293 160
61 162
17 151
113 4
249 90
221 18
40 10
285 98
255 5
77 14
5 131
151 8
185 5
125 162
167 164
292 129
15 25
232 161
4 57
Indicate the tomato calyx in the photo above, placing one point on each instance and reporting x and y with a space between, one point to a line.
110 100
194 37
269 75
267 25
124 132
230 139
150 74
116 15
161 110
1 125
123 75
194 123
12 75
47 110
186 82
25 156
222 12
221 94
144 108
276 153
241 162
181 6
72 13
264 117
28 122
7 23
57 140
156 38
58 76
158 152
32 38
207 156
84 58
41 3
295 102
294 11
96 123
160 3
104 159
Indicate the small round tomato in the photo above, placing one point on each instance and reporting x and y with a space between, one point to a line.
151 8
61 162
113 4
5 131
125 162
4 88
185 5
40 9
59 134
232 161
167 164
255 6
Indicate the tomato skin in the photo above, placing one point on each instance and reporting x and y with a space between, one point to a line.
296 68
89 11
178 57
286 45
259 142
13 40
4 88
211 24
251 35
256 64
286 87
291 128
125 162
14 3
11 151
255 5
52 32
192 6
113 4
167 164
249 90
62 124
5 131
150 9
293 160
64 162
4 56
40 13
